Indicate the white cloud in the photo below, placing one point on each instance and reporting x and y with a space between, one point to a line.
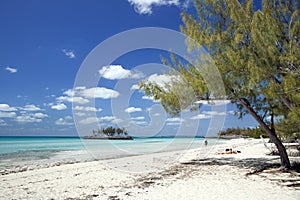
276 118
160 80
69 53
79 100
6 107
89 120
7 114
145 6
66 121
108 119
80 114
208 115
232 112
99 92
135 87
87 109
2 123
173 124
30 107
213 113
150 98
116 72
133 109
39 115
27 119
59 106
214 102
201 116
175 119
30 117
142 123
82 95
138 118
11 70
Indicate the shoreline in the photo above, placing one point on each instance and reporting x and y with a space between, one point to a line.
97 137
197 174
36 159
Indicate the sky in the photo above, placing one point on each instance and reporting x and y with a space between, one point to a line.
45 44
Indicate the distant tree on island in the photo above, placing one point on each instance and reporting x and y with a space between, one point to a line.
110 131
257 54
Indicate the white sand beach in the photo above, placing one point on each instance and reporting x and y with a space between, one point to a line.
199 174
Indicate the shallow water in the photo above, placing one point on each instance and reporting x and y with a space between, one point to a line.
20 151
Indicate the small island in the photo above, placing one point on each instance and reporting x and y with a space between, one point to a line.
109 133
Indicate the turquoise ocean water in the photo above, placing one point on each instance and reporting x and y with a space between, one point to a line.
17 151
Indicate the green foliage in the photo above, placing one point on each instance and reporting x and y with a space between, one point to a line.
245 132
256 52
288 128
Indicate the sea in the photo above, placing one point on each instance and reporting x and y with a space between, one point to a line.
17 151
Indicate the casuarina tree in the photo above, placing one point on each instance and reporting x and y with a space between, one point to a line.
256 51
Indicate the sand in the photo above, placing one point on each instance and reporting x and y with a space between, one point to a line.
198 174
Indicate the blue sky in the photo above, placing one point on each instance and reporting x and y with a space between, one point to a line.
43 45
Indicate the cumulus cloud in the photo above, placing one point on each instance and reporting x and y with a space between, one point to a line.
87 109
2 123
208 115
99 92
79 100
160 80
135 87
30 117
30 107
7 114
214 102
133 109
39 115
150 98
80 114
82 95
107 119
69 53
141 123
65 121
201 116
116 72
213 113
89 120
11 70
174 121
138 118
6 107
59 106
27 119
145 6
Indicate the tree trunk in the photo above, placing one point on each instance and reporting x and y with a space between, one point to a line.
285 162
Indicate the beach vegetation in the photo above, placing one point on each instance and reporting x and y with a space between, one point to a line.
256 52
244 132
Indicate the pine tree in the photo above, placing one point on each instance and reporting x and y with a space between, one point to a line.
257 54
